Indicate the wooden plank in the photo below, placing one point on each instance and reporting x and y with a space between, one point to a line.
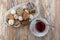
23 33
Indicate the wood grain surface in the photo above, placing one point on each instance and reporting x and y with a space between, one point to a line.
23 33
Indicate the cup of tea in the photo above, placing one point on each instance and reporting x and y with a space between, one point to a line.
39 27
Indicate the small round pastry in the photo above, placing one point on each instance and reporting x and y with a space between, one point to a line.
19 11
20 18
25 15
31 16
10 16
10 22
17 23
13 11
15 16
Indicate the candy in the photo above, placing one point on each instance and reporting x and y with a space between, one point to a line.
13 12
25 15
19 11
17 23
31 16
11 22
16 16
20 18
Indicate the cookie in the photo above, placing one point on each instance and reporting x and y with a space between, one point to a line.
10 16
17 23
25 15
19 11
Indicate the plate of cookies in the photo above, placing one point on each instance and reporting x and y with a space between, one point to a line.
21 14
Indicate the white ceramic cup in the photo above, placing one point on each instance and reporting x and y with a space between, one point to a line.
35 32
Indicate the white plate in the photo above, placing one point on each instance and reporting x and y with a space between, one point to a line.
35 32
20 6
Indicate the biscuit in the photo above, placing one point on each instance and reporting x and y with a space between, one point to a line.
19 11
25 15
10 16
17 23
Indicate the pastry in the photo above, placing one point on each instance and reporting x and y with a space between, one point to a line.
17 23
25 15
19 11
15 16
10 16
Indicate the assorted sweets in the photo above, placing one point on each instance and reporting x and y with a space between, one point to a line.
21 16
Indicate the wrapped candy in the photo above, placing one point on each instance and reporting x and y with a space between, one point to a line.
13 12
25 15
19 11
31 16
20 18
15 16
11 22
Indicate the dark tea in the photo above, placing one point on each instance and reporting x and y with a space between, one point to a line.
40 26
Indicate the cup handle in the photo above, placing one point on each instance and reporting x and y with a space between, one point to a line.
51 27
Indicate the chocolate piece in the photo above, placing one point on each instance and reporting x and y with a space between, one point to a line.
17 23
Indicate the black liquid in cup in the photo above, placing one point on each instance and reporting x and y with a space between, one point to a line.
40 26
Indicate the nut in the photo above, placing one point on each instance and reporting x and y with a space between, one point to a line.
20 18
15 16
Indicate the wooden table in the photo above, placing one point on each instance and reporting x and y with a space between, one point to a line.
9 33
